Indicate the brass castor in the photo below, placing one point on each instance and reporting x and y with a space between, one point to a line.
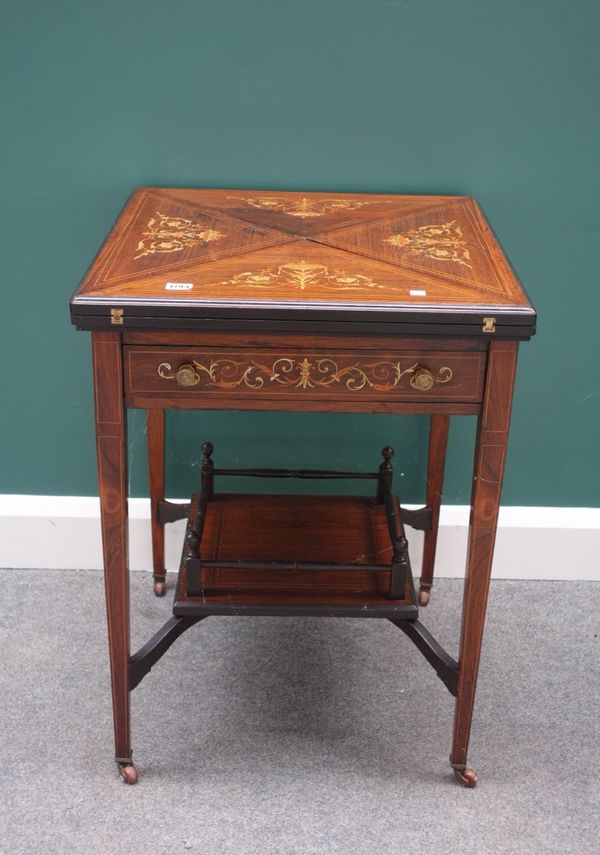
129 773
424 597
160 588
468 777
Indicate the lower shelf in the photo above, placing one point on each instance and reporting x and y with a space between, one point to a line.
326 529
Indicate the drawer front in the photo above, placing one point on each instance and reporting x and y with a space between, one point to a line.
308 373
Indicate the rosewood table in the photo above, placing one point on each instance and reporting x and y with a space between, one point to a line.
252 300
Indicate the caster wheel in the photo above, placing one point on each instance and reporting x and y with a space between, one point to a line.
129 774
424 597
467 777
160 589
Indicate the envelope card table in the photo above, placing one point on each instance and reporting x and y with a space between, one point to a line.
290 301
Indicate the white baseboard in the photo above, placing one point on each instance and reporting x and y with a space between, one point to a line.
63 532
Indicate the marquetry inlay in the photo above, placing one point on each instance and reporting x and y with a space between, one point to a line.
301 275
172 234
304 207
442 242
314 373
202 254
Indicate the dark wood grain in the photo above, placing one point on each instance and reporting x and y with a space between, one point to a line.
155 422
302 214
208 254
111 433
295 373
273 340
436 460
225 286
297 528
444 245
307 405
490 454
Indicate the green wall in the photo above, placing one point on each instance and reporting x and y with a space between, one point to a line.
494 99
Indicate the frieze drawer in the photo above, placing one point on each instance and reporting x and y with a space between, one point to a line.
304 373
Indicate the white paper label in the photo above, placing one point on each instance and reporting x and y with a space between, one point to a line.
179 286
414 293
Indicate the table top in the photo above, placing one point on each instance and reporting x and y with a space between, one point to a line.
183 258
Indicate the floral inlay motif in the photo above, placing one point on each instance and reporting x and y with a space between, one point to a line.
305 373
304 207
172 234
442 242
301 275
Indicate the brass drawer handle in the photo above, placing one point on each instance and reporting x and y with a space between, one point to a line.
186 374
422 379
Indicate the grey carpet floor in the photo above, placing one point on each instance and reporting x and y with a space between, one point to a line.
285 736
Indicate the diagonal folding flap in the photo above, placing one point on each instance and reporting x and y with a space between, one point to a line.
299 272
449 243
304 214
165 235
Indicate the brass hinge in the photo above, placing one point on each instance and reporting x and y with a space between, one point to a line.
489 325
116 316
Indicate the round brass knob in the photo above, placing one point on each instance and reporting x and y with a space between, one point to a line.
186 375
422 379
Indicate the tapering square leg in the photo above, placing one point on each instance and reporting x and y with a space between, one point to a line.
490 454
111 440
436 461
155 421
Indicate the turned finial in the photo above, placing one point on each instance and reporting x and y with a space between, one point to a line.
384 480
206 470
192 543
401 547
